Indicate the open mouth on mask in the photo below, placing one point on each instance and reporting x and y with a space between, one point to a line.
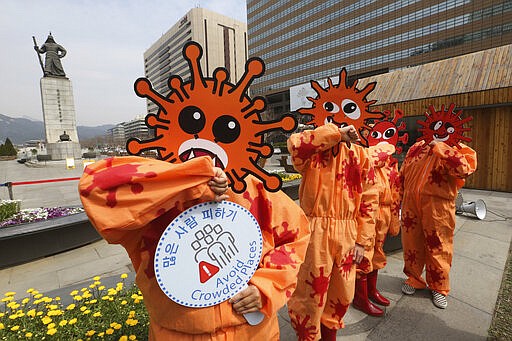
194 148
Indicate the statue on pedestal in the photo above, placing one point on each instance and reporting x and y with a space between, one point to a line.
54 52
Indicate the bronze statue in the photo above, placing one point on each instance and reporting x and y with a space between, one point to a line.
54 52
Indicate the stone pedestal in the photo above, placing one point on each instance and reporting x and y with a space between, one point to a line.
59 117
63 150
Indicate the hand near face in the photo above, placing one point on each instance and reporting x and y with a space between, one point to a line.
219 184
349 134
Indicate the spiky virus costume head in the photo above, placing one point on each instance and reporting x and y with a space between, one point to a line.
388 131
444 126
341 104
211 116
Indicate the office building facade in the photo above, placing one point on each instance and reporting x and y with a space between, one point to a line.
137 128
224 42
313 39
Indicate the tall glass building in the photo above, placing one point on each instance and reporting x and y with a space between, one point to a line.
313 39
224 43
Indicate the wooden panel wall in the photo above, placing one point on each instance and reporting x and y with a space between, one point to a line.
492 139
484 70
491 131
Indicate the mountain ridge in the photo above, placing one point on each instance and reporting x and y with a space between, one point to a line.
20 130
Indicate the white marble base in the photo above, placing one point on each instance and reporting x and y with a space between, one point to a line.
58 109
63 150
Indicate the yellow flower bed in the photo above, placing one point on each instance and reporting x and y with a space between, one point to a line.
96 313
286 177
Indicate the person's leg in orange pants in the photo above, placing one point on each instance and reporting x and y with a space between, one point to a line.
413 242
379 257
438 227
325 285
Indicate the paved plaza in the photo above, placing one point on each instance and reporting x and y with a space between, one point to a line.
481 250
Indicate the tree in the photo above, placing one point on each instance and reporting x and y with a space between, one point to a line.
9 148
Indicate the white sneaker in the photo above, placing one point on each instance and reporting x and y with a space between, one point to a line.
439 300
407 289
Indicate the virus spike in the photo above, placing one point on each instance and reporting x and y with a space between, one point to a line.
192 53
317 87
464 120
135 147
271 182
253 69
422 123
367 89
343 76
143 88
263 150
329 82
398 115
176 84
153 121
286 123
257 106
387 114
220 76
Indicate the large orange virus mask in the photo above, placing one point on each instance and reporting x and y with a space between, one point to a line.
211 116
341 104
444 126
388 131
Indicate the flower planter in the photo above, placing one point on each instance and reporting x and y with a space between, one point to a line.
26 242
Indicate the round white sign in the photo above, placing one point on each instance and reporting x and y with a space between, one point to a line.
208 253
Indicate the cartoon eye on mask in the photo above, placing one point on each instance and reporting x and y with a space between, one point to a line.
331 107
351 109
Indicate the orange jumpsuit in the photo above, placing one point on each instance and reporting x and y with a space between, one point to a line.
131 200
432 177
338 201
387 180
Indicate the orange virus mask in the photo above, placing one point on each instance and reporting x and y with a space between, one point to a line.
387 131
211 116
341 104
444 126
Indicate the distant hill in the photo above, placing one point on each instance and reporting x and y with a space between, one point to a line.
20 130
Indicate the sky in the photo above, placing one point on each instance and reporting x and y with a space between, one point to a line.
105 42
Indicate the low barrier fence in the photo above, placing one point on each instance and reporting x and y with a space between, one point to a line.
10 184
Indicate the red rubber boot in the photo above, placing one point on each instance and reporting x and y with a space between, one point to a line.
327 334
373 293
361 301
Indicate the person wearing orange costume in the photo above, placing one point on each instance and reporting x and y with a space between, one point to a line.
433 171
337 196
382 140
131 200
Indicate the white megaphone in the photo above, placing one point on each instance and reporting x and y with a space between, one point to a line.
476 208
